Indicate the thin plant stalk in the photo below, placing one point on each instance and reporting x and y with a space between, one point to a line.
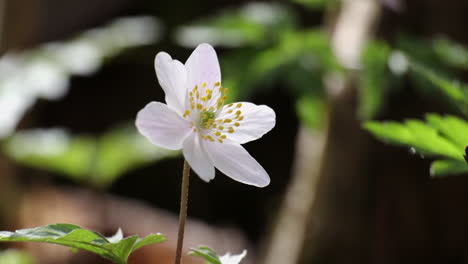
183 211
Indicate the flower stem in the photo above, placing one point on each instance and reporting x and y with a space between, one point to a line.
183 211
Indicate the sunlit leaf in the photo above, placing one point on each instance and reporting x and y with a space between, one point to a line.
54 150
418 135
74 236
95 160
16 257
441 168
454 128
440 136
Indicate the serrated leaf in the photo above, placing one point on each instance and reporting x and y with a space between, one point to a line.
76 237
207 254
440 168
414 133
391 132
445 136
429 140
454 128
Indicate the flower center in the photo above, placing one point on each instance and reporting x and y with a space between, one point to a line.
206 119
208 116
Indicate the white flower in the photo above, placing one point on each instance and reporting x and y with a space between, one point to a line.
196 120
234 259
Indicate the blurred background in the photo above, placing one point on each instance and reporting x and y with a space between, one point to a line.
73 75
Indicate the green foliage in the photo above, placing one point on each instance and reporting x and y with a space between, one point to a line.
207 254
272 51
16 257
434 65
311 111
455 91
315 4
440 168
97 161
441 136
374 79
116 248
251 24
299 58
452 53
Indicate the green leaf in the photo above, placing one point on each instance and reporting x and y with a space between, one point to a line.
311 111
444 136
251 24
452 53
95 160
16 257
116 249
374 79
414 133
391 132
440 168
207 254
454 90
315 4
454 128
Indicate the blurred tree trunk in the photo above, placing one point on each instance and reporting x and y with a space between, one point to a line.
322 217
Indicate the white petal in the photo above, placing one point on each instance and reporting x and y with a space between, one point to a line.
203 66
197 158
162 126
234 259
257 120
234 161
172 77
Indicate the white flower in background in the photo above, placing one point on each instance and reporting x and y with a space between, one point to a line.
234 259
196 119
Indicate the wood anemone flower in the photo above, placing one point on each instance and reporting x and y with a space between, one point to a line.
196 119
